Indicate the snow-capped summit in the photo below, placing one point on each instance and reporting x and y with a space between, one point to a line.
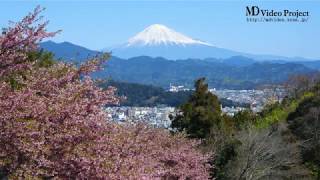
158 34
160 41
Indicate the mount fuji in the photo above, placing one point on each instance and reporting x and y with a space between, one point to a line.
160 41
158 34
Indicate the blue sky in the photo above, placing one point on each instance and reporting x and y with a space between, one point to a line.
101 24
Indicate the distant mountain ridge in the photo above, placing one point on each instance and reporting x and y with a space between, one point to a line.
68 51
73 52
162 72
237 72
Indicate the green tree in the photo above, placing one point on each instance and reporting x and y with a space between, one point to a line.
200 114
42 58
244 119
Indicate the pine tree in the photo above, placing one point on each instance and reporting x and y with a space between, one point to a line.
200 114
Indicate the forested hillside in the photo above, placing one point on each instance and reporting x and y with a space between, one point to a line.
162 72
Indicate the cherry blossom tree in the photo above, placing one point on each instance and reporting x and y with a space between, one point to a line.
53 126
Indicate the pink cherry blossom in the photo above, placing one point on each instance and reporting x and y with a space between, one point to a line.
54 125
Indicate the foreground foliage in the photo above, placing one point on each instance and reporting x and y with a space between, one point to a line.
305 124
53 125
281 142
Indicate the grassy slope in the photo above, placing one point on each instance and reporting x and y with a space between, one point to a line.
280 113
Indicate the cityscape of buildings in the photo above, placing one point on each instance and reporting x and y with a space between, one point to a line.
257 99
154 116
159 116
